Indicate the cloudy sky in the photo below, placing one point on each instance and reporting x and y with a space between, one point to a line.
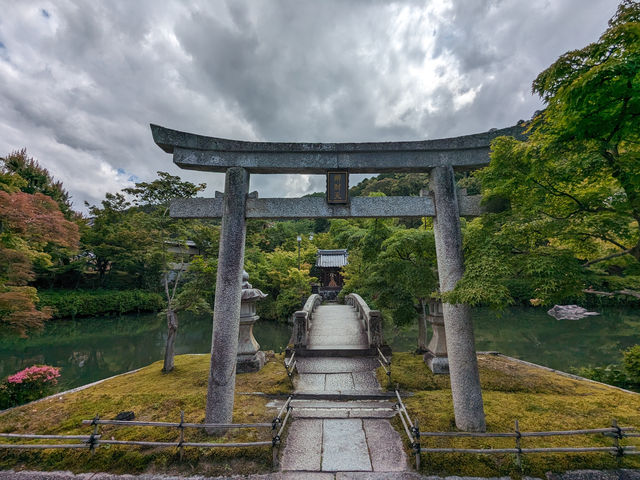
80 81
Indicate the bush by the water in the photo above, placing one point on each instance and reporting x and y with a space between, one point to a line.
87 303
626 375
27 385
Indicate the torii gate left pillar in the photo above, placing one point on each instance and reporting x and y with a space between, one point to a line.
226 315
237 159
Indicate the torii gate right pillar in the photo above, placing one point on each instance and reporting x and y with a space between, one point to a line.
463 363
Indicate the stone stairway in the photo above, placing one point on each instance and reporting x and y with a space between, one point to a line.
340 415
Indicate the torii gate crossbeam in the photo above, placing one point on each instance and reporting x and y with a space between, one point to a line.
238 159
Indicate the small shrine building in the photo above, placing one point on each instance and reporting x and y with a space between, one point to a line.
328 269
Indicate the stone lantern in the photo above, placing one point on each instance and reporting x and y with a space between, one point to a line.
250 358
436 356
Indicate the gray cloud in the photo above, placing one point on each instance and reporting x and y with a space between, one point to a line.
81 81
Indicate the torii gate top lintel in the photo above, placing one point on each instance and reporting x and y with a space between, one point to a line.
199 152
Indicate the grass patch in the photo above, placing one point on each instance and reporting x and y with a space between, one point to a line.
152 396
539 399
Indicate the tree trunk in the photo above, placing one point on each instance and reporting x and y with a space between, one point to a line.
172 330
422 328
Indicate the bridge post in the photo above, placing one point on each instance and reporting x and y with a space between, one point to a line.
226 315
463 363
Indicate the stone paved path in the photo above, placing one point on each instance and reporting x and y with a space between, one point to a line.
352 434
336 327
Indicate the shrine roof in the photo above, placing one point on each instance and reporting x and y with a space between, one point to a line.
332 258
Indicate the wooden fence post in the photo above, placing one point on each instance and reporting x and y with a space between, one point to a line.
92 441
181 427
416 442
518 446
617 435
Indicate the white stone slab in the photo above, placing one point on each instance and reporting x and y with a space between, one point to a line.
303 448
339 381
385 446
344 446
310 381
365 381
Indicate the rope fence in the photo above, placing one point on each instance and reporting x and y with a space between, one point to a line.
615 432
95 439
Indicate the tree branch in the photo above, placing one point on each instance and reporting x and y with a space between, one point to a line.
602 237
631 293
608 257
557 193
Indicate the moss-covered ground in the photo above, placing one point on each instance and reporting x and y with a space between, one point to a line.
152 396
540 400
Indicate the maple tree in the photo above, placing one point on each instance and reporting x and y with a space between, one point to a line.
31 224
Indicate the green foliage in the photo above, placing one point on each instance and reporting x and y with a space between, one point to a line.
631 363
610 374
91 303
276 274
392 184
269 235
626 375
197 294
162 190
571 191
405 274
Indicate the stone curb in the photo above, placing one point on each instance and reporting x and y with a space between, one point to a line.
622 474
559 372
88 385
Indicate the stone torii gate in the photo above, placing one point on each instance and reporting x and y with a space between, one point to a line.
238 159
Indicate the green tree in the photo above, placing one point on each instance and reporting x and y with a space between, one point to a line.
132 232
276 274
169 248
118 244
405 277
572 189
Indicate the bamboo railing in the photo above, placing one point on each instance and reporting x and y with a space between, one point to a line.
385 363
290 365
615 432
95 440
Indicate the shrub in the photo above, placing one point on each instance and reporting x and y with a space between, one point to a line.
88 303
28 385
611 375
631 363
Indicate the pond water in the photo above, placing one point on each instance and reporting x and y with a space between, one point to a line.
95 348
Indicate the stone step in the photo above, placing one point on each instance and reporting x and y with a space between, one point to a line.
331 351
341 409
337 381
336 365
343 395
342 413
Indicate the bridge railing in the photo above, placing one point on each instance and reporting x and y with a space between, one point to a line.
302 321
371 319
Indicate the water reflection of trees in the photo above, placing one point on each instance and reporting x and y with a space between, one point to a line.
532 335
92 349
